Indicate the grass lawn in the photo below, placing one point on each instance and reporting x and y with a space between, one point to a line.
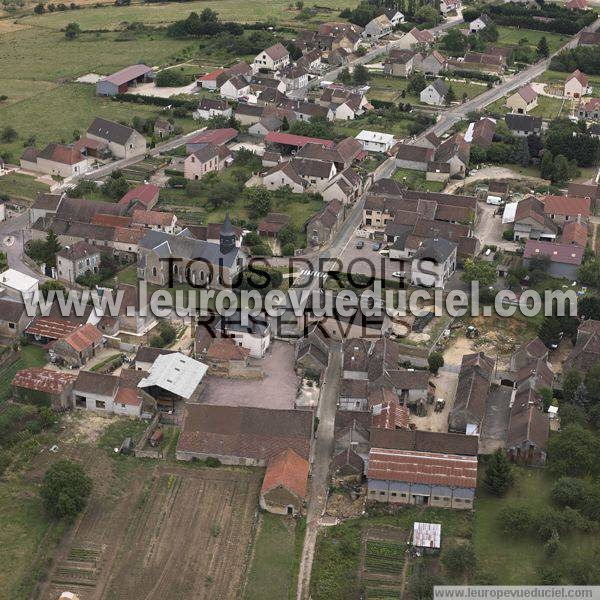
23 186
415 180
549 108
24 531
29 356
31 117
510 36
559 77
270 572
110 17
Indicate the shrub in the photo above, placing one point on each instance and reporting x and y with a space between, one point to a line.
65 489
213 462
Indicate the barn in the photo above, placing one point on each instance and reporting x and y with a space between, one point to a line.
121 81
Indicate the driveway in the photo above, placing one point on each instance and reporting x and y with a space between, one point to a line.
13 234
489 229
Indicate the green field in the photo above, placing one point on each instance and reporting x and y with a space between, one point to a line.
21 186
558 77
510 36
110 17
270 574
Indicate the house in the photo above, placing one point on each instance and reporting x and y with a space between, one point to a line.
321 227
586 352
212 107
156 220
285 484
294 78
283 175
311 61
400 63
474 380
415 37
523 125
481 133
312 351
239 435
433 64
266 125
121 81
122 141
564 259
378 27
413 157
208 158
273 58
590 110
480 23
528 430
435 93
456 152
55 159
44 387
345 187
394 15
523 100
163 129
528 353
198 262
79 260
78 347
272 224
250 332
421 478
235 88
562 209
480 61
142 196
173 377
531 222
316 173
576 85
448 6
18 285
13 317
374 141
225 359
433 263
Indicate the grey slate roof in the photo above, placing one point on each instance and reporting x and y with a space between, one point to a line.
109 130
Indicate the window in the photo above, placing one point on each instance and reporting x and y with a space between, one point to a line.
11 326
100 404
394 494
382 493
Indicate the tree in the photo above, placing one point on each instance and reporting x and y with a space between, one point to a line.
547 165
416 82
427 15
52 247
498 473
422 581
299 4
571 381
345 76
581 396
259 201
568 491
65 489
525 157
592 384
450 96
8 134
481 271
72 31
561 169
573 452
459 559
543 50
489 33
39 9
455 43
51 284
435 361
360 75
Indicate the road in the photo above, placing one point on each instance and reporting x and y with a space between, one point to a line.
13 231
319 472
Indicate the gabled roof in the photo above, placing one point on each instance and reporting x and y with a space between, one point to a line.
214 136
517 122
152 217
11 309
77 251
290 139
145 194
426 441
96 383
569 254
43 380
422 36
66 155
567 205
287 470
111 131
574 233
527 93
579 76
128 74
83 337
277 51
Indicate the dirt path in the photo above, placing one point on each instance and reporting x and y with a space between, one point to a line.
490 173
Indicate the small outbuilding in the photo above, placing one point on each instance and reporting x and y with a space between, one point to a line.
427 537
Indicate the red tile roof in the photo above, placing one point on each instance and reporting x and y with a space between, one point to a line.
289 139
128 396
50 328
111 220
226 349
214 136
212 75
146 194
152 217
43 380
423 467
287 470
83 337
566 206
581 77
569 254
574 233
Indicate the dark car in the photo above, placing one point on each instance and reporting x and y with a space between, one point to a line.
376 247
360 245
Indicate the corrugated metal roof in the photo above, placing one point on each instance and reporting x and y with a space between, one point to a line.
427 535
176 373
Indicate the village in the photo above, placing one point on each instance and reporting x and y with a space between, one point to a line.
381 147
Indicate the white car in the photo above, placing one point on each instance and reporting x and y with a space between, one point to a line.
399 274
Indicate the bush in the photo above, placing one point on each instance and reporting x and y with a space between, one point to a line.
213 462
65 489
459 559
435 361
568 491
508 234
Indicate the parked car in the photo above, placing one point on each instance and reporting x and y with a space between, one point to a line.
376 247
399 274
360 245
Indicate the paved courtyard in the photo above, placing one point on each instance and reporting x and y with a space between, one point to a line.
277 389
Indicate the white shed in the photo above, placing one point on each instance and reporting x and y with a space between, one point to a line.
427 535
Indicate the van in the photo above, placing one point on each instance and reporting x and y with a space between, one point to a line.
494 200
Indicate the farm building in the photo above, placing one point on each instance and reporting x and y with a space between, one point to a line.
422 478
241 435
121 81
173 377
44 387
284 486
78 347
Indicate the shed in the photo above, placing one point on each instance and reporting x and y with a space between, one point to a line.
427 536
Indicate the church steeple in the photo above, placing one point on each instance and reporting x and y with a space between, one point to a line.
227 236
